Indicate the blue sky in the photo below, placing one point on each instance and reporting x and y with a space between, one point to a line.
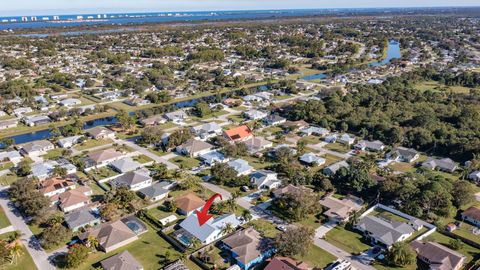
37 7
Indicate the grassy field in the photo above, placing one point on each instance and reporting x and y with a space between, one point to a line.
338 147
24 262
142 159
347 240
185 162
102 173
4 222
53 154
317 257
257 163
92 143
6 165
436 87
267 229
8 179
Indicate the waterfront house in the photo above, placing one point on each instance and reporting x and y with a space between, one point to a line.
36 148
101 133
36 120
69 141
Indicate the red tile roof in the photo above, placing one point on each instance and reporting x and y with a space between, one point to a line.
239 133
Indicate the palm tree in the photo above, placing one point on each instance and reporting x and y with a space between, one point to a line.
93 242
227 229
247 216
16 251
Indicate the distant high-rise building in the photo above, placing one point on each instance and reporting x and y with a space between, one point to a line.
45 18
56 18
24 19
79 17
33 19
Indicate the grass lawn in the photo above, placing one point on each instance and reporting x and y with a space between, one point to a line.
330 159
466 231
149 250
6 165
469 251
159 213
157 152
8 179
347 240
167 125
436 87
378 212
216 258
53 154
311 221
24 262
240 108
266 228
256 163
238 118
338 147
402 167
418 266
185 162
4 222
92 143
311 139
142 159
102 173
210 116
317 257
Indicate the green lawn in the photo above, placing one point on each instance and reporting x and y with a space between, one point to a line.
102 173
24 262
149 250
437 87
256 162
4 222
330 159
402 167
210 116
338 147
266 228
6 165
8 179
378 212
350 241
418 266
238 118
317 257
53 154
92 143
159 213
142 159
311 139
311 221
185 162
469 251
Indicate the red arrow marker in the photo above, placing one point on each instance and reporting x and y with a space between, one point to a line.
203 216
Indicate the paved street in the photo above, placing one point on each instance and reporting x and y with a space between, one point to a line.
144 151
39 256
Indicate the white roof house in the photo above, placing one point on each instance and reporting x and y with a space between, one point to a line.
211 230
264 179
312 159
69 141
240 166
207 130
124 165
255 114
70 102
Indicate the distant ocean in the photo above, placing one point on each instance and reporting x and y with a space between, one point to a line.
42 21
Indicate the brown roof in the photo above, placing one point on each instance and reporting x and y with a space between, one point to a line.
247 244
285 263
290 189
110 234
55 183
97 131
296 124
103 155
472 212
72 197
121 261
193 146
189 202
341 208
439 257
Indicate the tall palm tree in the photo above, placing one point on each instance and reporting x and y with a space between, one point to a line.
247 215
93 242
16 251
227 229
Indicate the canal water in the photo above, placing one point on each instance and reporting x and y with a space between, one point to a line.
393 52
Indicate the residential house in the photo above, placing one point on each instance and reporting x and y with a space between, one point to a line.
475 176
274 120
136 101
472 215
70 102
125 165
210 231
101 133
11 123
332 169
81 218
318 131
42 170
331 138
285 263
135 180
290 190
176 116
36 148
194 148
69 141
73 199
177 265
295 125
346 139
12 156
104 157
110 236
213 157
56 185
265 179
36 120
187 204
157 191
437 256
255 114
153 120
311 159
374 146
238 134
403 154
384 232
19 112
207 130
340 210
444 164
240 166
257 144
121 261
248 248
